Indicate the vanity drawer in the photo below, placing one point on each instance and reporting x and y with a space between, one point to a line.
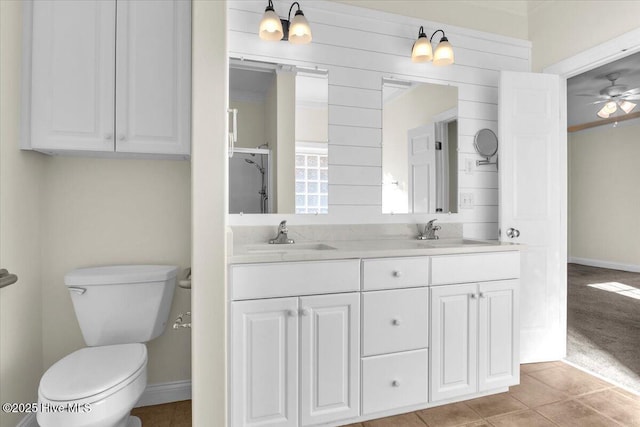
390 273
396 320
475 267
394 381
269 280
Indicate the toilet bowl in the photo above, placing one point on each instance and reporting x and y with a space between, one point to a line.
118 308
86 388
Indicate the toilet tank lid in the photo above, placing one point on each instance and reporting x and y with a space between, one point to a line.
118 274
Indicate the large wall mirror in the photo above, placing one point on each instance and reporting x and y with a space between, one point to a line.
280 161
420 147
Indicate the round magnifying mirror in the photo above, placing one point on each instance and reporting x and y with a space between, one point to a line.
486 143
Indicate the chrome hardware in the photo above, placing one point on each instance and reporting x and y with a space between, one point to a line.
429 232
233 135
472 296
178 324
482 295
282 238
7 278
513 233
108 135
304 312
395 322
397 273
76 290
395 383
291 313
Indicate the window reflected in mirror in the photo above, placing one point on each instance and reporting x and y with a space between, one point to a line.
279 162
420 147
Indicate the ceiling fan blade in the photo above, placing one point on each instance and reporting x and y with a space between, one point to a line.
602 101
592 95
631 97
634 91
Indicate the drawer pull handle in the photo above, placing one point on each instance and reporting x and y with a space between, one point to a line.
397 273
291 313
395 383
395 322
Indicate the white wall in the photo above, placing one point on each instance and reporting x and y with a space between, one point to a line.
347 42
251 123
21 176
604 205
209 211
108 211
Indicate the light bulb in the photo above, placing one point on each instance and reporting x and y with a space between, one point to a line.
299 30
270 26
443 54
422 50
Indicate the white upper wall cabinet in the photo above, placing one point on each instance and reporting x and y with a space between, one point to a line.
108 76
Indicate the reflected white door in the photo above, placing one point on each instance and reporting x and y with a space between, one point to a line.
533 207
422 169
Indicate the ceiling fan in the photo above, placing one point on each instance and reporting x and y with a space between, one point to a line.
616 96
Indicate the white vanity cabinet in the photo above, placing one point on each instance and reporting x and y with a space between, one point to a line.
295 360
107 76
395 333
474 326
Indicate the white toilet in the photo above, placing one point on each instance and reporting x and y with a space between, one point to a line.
118 308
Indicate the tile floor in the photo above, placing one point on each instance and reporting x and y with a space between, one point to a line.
549 394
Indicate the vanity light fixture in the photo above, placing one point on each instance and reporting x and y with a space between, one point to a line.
273 28
423 52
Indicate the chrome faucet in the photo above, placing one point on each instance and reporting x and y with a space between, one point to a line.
429 232
282 237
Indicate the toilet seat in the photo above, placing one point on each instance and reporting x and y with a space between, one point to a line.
93 373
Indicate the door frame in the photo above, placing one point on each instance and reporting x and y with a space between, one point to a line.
609 51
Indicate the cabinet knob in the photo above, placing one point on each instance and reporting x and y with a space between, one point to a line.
482 295
395 383
108 136
395 322
291 313
397 273
122 137
472 296
304 312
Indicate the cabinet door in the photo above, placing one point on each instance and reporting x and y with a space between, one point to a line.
72 75
153 77
264 363
330 355
499 332
454 321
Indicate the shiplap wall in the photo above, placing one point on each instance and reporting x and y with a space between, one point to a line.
360 47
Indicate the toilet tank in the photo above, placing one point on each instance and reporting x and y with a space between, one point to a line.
122 304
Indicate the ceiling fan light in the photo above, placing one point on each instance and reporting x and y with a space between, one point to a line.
270 25
299 30
422 50
626 106
603 113
443 54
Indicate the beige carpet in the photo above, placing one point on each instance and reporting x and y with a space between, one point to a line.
603 331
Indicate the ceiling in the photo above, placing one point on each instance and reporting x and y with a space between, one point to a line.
579 108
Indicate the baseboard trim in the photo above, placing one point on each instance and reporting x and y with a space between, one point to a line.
156 394
605 264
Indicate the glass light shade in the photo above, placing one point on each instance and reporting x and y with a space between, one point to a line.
627 106
270 26
603 114
299 30
443 54
422 50
610 107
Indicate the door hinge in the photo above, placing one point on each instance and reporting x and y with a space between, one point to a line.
438 145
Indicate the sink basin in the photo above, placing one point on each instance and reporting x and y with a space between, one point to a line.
294 247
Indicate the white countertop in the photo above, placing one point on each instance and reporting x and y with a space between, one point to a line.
346 249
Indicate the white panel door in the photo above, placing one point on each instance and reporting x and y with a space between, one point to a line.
532 208
73 75
264 363
454 323
498 335
330 357
153 76
422 169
